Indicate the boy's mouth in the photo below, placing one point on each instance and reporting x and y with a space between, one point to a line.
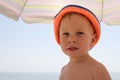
72 48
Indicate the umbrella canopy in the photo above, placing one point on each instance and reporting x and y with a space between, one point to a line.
43 11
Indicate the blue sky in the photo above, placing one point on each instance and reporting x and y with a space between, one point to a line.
32 47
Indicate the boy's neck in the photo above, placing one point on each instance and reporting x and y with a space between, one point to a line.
79 59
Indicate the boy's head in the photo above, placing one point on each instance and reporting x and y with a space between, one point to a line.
79 10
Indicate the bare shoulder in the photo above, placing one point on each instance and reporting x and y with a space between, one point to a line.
62 73
100 72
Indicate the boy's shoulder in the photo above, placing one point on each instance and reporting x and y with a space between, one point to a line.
99 71
95 64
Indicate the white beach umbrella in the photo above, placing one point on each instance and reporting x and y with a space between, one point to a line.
43 11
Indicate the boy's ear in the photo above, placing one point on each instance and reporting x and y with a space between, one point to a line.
92 44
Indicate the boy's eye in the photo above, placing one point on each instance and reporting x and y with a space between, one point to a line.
65 33
80 33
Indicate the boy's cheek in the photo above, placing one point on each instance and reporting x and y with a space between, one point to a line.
62 39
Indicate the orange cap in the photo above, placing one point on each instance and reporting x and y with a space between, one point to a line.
78 9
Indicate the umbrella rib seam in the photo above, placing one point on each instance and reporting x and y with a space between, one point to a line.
102 10
23 8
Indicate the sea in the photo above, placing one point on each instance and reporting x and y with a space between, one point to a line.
40 75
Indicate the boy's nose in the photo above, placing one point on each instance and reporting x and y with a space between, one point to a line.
72 40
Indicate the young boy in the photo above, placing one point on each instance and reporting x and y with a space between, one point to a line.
77 30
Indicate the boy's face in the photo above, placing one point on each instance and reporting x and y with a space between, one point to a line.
76 35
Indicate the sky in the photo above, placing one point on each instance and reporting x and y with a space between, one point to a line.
32 47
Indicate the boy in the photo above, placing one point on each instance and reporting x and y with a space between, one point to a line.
77 30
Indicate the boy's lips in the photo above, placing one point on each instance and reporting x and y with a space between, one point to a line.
72 48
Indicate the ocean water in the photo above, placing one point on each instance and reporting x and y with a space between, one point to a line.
40 76
115 75
29 76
